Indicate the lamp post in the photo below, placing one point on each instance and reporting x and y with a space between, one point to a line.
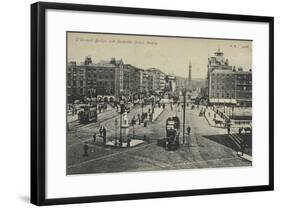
122 103
183 122
116 124
142 107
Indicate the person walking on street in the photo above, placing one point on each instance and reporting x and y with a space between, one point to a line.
73 111
101 131
104 136
133 121
188 130
228 130
239 131
139 119
85 148
94 137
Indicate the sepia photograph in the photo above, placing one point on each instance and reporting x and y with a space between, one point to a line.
154 103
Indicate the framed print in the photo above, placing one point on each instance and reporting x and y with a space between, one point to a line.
134 103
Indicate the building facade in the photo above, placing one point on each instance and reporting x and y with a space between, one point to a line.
225 84
113 78
181 84
158 80
90 79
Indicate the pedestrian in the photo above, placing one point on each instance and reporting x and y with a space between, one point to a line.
139 119
128 142
73 112
94 137
104 136
188 130
150 117
228 130
85 148
133 121
101 131
239 131
209 114
243 146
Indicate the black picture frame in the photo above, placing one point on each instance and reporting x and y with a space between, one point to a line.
38 101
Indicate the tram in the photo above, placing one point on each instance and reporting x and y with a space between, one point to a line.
171 141
88 114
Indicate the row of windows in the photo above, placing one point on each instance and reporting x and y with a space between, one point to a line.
99 90
222 87
230 95
81 70
101 76
100 69
223 95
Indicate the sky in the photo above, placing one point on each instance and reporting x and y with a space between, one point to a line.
170 54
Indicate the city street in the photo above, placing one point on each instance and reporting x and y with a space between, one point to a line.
206 147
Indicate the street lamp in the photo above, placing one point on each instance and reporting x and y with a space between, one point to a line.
142 107
122 110
183 123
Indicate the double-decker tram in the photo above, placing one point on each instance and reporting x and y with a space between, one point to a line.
171 141
88 114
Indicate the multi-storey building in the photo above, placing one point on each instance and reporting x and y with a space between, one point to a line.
181 84
170 83
225 84
147 82
75 82
244 87
96 79
158 79
135 79
114 78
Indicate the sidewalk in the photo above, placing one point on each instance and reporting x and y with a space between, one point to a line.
210 119
133 143
157 113
245 156
71 118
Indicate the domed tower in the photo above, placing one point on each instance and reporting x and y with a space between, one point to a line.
219 56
